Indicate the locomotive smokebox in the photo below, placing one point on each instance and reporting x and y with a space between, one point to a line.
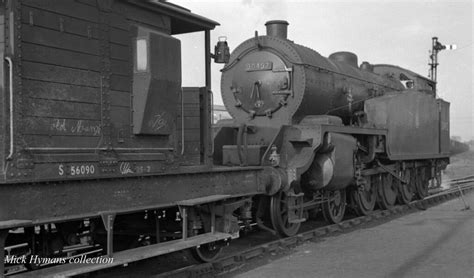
277 28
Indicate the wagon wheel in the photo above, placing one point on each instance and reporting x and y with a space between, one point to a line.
422 182
279 214
405 190
363 198
208 252
335 207
386 190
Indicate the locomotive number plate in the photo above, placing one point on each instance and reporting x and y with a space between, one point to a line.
258 66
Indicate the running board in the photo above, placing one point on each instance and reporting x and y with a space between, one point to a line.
127 256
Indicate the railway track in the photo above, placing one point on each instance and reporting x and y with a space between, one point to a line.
238 259
463 180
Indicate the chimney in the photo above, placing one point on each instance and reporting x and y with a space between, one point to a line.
277 28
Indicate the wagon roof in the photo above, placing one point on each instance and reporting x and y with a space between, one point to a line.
182 19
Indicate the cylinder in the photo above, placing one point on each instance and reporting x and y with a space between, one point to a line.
333 170
320 173
277 28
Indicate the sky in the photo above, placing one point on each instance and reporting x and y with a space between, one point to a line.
380 32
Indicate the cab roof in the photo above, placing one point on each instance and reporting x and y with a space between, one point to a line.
182 19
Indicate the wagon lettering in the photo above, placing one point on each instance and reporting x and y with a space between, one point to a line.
75 127
61 170
59 125
81 170
76 170
158 122
143 169
80 128
125 168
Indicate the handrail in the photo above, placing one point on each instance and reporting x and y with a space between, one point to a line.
212 122
182 121
10 63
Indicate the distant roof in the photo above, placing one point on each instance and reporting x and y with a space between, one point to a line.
182 19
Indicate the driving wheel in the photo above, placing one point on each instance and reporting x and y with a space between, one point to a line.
280 216
335 206
422 182
386 190
363 198
405 192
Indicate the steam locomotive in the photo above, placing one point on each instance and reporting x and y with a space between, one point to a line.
104 153
337 134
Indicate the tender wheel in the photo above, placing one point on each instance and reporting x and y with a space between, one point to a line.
405 190
386 190
422 182
363 198
279 215
335 207
207 252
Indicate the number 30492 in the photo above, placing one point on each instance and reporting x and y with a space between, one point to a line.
76 170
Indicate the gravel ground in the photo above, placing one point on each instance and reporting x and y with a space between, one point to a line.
431 243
